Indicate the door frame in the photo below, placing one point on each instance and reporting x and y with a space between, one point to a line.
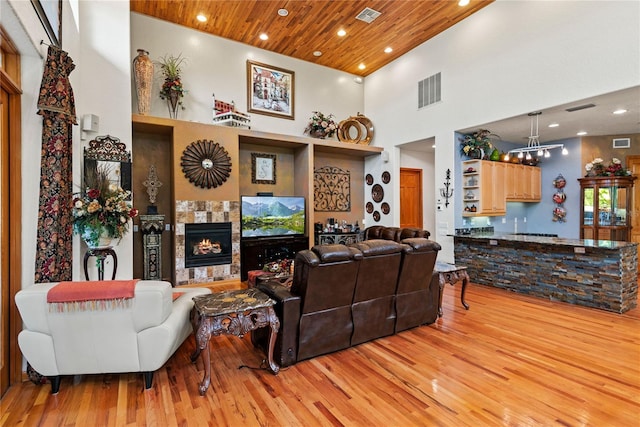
10 82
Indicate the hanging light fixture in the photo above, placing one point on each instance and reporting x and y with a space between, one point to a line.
534 143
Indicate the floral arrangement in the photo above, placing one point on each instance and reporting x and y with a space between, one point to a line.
596 167
475 144
102 209
321 125
171 68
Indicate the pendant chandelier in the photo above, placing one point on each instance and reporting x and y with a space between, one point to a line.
534 143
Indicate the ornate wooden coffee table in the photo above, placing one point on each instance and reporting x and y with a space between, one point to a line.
451 273
234 313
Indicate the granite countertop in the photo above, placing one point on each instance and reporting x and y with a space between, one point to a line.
556 241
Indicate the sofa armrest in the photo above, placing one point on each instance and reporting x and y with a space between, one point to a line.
287 308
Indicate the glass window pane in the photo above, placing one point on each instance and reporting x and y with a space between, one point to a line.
588 206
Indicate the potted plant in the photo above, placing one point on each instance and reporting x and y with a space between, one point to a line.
172 90
102 211
321 126
477 145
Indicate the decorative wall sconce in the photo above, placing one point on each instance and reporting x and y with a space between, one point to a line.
447 191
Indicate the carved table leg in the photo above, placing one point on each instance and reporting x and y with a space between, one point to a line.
195 321
441 285
274 324
206 358
465 278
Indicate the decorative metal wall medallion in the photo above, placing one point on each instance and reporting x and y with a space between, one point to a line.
376 216
377 193
332 189
369 207
386 177
369 179
385 208
206 164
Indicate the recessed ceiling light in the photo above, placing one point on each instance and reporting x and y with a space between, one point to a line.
362 66
263 36
620 111
388 50
283 12
317 53
554 125
581 133
201 18
463 2
342 33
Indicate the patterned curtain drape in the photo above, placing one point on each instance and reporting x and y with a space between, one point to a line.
56 106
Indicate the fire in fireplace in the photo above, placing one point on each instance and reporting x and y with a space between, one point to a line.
207 244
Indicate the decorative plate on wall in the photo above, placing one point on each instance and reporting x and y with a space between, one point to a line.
385 208
376 216
369 179
369 207
206 163
386 177
377 193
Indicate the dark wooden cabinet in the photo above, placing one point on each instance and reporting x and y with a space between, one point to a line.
255 253
605 207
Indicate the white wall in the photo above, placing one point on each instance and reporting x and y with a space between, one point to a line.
510 58
217 65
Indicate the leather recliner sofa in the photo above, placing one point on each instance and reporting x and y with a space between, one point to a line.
343 296
396 234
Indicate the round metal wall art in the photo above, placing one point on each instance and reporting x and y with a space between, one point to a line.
206 164
385 208
386 177
369 179
360 123
377 193
376 216
369 207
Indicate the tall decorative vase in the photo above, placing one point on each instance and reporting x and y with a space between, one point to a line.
143 79
172 103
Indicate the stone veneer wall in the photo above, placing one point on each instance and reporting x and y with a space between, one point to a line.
203 211
601 277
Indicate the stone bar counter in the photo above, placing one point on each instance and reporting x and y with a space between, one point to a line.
593 273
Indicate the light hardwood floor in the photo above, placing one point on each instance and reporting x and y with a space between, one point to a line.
510 360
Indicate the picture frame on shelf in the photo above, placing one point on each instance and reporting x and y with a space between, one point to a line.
263 168
270 90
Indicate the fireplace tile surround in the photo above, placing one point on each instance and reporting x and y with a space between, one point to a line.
204 211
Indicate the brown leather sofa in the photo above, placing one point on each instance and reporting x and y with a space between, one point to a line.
343 296
396 234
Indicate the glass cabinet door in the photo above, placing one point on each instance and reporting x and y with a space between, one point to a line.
620 207
588 207
605 196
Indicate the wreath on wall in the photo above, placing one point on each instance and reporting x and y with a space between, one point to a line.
206 164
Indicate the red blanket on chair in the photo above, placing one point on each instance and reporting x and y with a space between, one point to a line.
81 292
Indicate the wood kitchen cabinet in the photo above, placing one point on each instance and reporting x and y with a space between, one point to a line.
483 188
605 207
523 183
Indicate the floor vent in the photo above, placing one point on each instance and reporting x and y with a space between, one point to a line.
368 15
580 107
429 91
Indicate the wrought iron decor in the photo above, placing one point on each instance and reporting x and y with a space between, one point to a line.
108 152
447 191
332 189
206 164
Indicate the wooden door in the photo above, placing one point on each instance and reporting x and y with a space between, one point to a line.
410 197
633 164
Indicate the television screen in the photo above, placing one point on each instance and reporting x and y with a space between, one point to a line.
272 216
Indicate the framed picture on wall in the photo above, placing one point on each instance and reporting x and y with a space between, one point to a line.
270 90
263 168
50 14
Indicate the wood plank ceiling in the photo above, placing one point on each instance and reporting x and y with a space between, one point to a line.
312 26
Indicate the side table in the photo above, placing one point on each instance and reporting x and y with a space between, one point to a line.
233 312
100 254
452 274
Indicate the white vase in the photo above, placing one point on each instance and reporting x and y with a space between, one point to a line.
95 240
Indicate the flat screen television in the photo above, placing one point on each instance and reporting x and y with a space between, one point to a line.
272 216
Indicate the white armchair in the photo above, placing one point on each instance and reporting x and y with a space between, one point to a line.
139 337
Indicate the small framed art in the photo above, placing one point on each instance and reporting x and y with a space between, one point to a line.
263 168
270 90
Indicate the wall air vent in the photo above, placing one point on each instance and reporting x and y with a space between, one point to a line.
580 107
368 15
429 91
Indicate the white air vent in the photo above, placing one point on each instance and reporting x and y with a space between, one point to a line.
368 15
429 91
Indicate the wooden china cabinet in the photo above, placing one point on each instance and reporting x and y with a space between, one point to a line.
605 207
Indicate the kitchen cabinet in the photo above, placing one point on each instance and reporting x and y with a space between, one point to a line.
523 183
483 188
605 207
